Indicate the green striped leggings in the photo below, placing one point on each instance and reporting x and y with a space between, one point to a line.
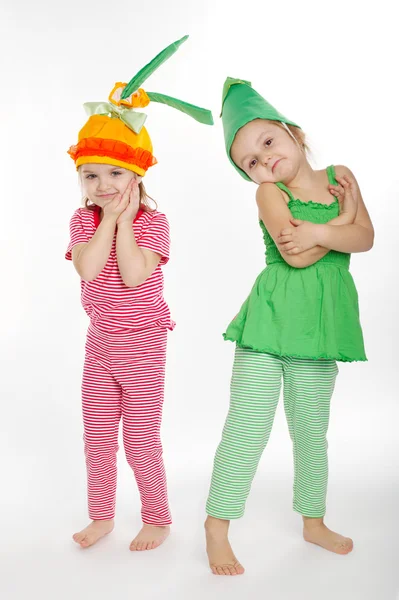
255 391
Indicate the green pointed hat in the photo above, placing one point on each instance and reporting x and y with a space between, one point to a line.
240 105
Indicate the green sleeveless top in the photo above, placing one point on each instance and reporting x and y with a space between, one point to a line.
307 313
315 212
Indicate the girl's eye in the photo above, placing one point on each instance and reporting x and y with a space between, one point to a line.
116 173
90 176
252 163
268 142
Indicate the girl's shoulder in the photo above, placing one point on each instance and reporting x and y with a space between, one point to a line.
154 213
83 213
153 216
342 170
82 217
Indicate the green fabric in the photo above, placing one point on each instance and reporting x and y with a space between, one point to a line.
137 81
255 391
199 114
133 119
240 105
202 115
309 313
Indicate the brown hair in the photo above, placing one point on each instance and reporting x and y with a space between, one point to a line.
145 201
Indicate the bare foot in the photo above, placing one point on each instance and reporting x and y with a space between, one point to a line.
316 532
93 532
149 537
221 556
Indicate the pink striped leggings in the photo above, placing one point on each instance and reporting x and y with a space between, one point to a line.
123 377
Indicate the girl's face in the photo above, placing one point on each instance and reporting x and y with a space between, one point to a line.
266 152
101 182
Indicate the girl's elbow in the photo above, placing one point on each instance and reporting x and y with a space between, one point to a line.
368 239
370 246
86 275
86 271
133 281
129 282
369 243
137 277
89 278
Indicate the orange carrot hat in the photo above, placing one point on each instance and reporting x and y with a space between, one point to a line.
115 134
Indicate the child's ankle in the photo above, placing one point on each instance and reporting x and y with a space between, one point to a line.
309 522
217 524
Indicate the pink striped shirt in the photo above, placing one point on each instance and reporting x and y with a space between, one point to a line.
111 305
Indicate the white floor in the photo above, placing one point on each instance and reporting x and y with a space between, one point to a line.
39 560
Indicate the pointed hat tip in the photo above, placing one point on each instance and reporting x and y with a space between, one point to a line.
227 85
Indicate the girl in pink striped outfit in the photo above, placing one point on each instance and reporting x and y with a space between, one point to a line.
118 245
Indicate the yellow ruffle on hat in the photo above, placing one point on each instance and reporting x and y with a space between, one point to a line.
114 133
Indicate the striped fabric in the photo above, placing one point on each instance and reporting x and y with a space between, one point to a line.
112 306
124 378
255 390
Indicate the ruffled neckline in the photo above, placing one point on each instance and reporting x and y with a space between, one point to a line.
316 205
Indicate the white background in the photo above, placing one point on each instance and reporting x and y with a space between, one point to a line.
330 66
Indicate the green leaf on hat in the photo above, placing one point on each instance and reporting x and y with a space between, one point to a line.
138 80
199 114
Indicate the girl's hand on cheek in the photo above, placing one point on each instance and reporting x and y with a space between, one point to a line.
132 193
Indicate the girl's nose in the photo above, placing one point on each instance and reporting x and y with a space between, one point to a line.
103 185
266 158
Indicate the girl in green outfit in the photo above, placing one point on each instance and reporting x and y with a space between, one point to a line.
299 319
